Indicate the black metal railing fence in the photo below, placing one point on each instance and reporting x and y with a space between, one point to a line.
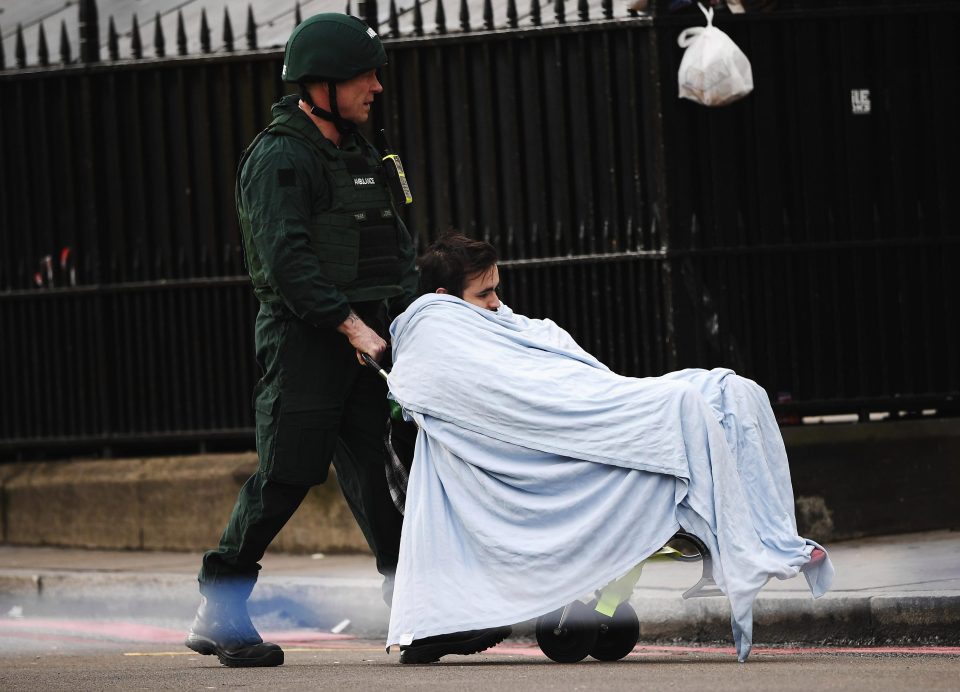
804 245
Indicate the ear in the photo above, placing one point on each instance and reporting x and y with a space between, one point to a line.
441 290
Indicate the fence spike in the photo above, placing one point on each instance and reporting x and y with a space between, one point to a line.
65 56
535 12
487 15
349 10
417 18
297 17
583 10
251 29
43 55
181 34
113 40
20 49
204 32
159 42
512 14
560 11
394 21
464 15
3 58
227 31
136 45
441 18
89 26
607 7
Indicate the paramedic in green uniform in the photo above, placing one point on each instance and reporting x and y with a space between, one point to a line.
331 264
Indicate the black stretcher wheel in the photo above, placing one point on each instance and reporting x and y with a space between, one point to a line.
575 640
617 635
691 548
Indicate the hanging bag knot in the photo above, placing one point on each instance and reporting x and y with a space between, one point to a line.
713 71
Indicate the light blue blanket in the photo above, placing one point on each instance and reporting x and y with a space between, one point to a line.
540 475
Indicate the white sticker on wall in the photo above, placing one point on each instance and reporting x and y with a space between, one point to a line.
860 101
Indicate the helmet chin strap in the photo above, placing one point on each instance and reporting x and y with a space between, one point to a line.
333 115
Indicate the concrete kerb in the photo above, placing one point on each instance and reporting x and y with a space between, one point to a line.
933 616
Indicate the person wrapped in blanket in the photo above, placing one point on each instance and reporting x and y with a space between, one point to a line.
539 475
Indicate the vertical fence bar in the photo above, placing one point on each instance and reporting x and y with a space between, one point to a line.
9 420
113 388
511 173
531 151
203 190
176 123
486 142
7 254
97 368
579 173
116 248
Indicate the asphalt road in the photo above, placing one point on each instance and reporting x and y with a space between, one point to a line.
48 660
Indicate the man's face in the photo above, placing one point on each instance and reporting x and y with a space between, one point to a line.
481 289
355 96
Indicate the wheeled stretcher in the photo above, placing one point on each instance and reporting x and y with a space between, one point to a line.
607 628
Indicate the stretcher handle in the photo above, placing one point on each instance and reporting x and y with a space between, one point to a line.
371 363
396 412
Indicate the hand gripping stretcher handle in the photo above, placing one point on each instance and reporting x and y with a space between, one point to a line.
368 359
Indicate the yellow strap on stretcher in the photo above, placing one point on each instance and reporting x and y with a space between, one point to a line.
619 590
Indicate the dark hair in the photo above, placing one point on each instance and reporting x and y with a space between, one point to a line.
451 260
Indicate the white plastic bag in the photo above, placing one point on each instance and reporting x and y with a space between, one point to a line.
714 71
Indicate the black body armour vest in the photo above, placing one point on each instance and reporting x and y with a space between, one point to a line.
357 238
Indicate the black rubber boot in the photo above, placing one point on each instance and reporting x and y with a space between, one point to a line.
430 649
224 628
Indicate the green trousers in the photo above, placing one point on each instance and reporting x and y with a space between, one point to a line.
315 404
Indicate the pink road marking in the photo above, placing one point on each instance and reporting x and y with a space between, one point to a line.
646 650
46 637
125 631
306 636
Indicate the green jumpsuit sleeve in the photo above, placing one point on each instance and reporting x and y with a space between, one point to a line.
279 186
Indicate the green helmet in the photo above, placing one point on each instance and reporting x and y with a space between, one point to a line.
331 47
